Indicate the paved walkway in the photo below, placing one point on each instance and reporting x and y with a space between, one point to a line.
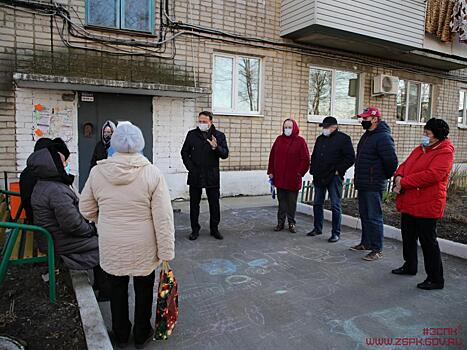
259 289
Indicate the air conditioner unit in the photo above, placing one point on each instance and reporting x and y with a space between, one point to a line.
385 85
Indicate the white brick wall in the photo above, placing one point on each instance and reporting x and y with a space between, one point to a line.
173 118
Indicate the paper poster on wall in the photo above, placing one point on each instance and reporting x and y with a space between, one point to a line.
52 122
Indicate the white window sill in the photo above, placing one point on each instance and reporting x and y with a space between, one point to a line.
461 126
232 114
410 123
313 119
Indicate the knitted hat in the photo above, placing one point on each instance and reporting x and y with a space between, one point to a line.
127 138
438 127
60 146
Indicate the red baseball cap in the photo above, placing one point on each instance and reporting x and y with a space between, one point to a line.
370 112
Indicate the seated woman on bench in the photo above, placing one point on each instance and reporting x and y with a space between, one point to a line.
55 208
27 181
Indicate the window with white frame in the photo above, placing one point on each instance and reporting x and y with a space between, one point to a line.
333 92
236 86
121 14
414 101
462 116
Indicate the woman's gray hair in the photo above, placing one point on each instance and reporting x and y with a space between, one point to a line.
127 138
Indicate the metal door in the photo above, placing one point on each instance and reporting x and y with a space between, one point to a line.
95 108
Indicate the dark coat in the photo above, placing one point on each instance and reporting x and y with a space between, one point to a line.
55 207
100 152
376 159
102 147
289 160
330 154
201 161
27 181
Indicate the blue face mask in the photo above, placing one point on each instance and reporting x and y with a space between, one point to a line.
287 131
68 169
425 141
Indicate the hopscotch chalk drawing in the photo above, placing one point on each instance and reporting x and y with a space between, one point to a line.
219 267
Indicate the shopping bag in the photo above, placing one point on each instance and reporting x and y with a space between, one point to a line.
167 303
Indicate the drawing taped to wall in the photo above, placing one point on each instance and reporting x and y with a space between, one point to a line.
52 122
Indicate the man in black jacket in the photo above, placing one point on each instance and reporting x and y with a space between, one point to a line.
200 153
376 162
332 156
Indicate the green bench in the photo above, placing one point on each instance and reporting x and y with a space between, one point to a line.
18 242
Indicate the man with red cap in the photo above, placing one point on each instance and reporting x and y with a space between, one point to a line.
375 163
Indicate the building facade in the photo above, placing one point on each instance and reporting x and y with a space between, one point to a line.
67 66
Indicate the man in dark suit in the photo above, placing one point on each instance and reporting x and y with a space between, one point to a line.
201 151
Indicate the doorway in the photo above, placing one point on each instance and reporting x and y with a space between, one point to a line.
96 108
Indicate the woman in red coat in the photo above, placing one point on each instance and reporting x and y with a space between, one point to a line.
421 183
289 161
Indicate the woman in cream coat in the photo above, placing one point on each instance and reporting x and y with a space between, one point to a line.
128 199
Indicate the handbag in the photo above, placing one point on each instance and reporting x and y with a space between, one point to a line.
167 303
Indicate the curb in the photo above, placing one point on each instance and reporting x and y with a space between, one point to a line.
456 249
94 328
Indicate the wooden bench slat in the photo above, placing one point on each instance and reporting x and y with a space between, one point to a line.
3 207
15 252
29 245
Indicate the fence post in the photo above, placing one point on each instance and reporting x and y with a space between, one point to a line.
303 191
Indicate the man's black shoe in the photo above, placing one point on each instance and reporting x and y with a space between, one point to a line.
216 235
193 236
333 239
315 232
292 228
403 271
427 285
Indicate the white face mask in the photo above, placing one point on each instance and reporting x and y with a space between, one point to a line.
326 132
203 127
287 131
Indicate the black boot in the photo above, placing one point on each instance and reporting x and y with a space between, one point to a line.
142 344
193 236
292 228
279 227
216 234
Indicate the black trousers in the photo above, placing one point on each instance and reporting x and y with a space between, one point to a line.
144 291
214 207
287 206
424 230
101 281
